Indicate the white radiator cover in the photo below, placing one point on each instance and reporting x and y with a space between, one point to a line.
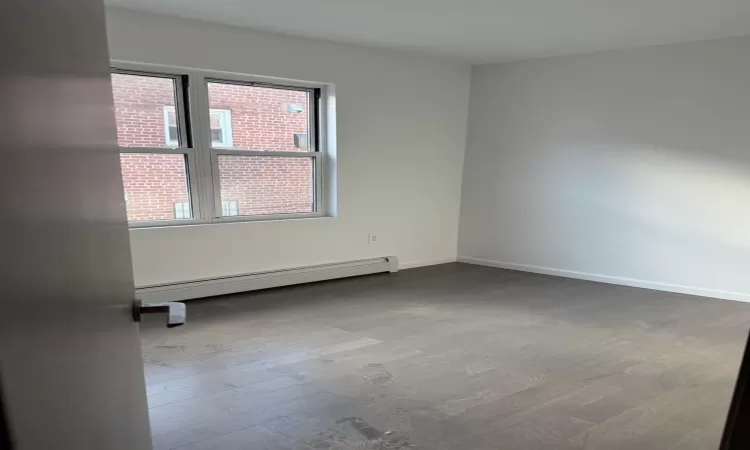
264 280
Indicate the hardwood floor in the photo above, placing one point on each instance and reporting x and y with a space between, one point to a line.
446 357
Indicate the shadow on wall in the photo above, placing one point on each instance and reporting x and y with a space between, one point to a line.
639 206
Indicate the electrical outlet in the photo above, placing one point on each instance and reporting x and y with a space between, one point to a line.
373 238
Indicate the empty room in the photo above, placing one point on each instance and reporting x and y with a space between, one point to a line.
433 225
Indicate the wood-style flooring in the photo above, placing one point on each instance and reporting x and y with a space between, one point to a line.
446 357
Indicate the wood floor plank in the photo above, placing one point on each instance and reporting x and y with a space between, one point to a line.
446 357
261 438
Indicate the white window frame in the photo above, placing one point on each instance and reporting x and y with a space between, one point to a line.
202 155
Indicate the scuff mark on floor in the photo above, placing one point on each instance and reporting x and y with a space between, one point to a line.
375 438
368 431
378 374
172 347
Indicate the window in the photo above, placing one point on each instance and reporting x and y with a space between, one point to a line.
154 172
200 148
300 140
171 132
182 210
221 127
229 208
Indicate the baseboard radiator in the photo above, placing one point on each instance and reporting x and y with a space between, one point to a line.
264 280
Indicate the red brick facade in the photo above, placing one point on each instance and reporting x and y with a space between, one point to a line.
260 119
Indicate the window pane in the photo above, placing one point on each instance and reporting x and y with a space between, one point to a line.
171 117
182 210
266 184
216 136
145 111
220 124
156 186
229 208
173 135
262 118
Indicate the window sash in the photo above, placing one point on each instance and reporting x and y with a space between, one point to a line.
192 183
313 109
193 115
317 205
180 107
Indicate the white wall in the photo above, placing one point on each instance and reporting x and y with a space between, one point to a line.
401 138
629 166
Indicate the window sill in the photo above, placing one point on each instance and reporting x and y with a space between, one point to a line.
225 221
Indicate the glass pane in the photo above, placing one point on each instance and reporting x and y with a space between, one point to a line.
182 210
171 118
252 185
156 186
173 134
229 208
216 136
144 109
260 118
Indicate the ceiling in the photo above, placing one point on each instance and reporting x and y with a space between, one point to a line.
476 31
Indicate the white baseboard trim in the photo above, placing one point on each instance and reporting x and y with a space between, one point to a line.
677 288
264 280
424 263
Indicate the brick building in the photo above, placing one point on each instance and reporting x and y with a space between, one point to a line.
241 117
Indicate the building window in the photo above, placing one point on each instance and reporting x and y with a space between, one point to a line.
300 140
182 211
221 127
229 208
171 132
237 151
